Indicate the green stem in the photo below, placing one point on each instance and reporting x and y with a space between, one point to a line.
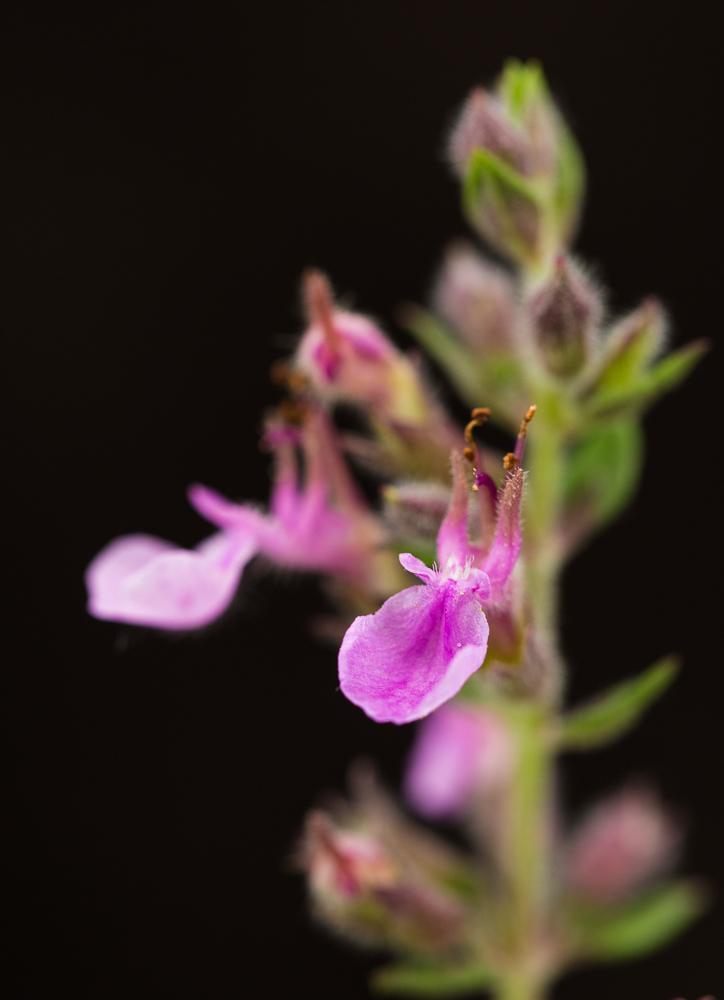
528 819
519 986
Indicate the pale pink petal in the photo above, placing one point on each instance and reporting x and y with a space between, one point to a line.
106 574
415 653
224 513
161 586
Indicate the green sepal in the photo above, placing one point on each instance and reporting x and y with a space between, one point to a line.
602 474
428 979
520 85
504 206
444 347
611 714
631 399
570 183
642 926
495 378
631 348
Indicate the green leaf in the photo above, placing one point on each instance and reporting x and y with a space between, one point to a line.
644 925
662 377
423 979
602 473
618 709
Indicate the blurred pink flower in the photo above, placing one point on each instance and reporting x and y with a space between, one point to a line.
623 842
460 753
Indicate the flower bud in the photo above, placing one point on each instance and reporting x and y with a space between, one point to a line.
624 842
522 173
477 300
565 314
360 889
484 124
347 358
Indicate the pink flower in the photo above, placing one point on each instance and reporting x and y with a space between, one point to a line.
319 524
461 752
418 650
623 842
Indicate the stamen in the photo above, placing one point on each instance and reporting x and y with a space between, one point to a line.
514 458
283 424
320 306
478 417
286 376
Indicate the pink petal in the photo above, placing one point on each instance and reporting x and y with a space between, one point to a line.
452 538
443 764
147 581
417 567
415 653
107 572
225 514
505 548
460 752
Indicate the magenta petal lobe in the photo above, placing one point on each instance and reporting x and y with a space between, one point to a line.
415 653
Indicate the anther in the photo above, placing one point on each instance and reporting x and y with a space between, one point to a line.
478 416
286 376
514 458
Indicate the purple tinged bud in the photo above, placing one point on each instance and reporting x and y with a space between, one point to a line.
623 842
522 174
565 314
363 887
477 300
341 863
482 124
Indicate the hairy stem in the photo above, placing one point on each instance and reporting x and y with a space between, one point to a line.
528 815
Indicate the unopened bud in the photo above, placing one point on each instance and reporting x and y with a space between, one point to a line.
345 357
477 300
484 124
565 314
522 173
359 889
624 842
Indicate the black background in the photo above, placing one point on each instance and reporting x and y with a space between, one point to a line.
171 174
